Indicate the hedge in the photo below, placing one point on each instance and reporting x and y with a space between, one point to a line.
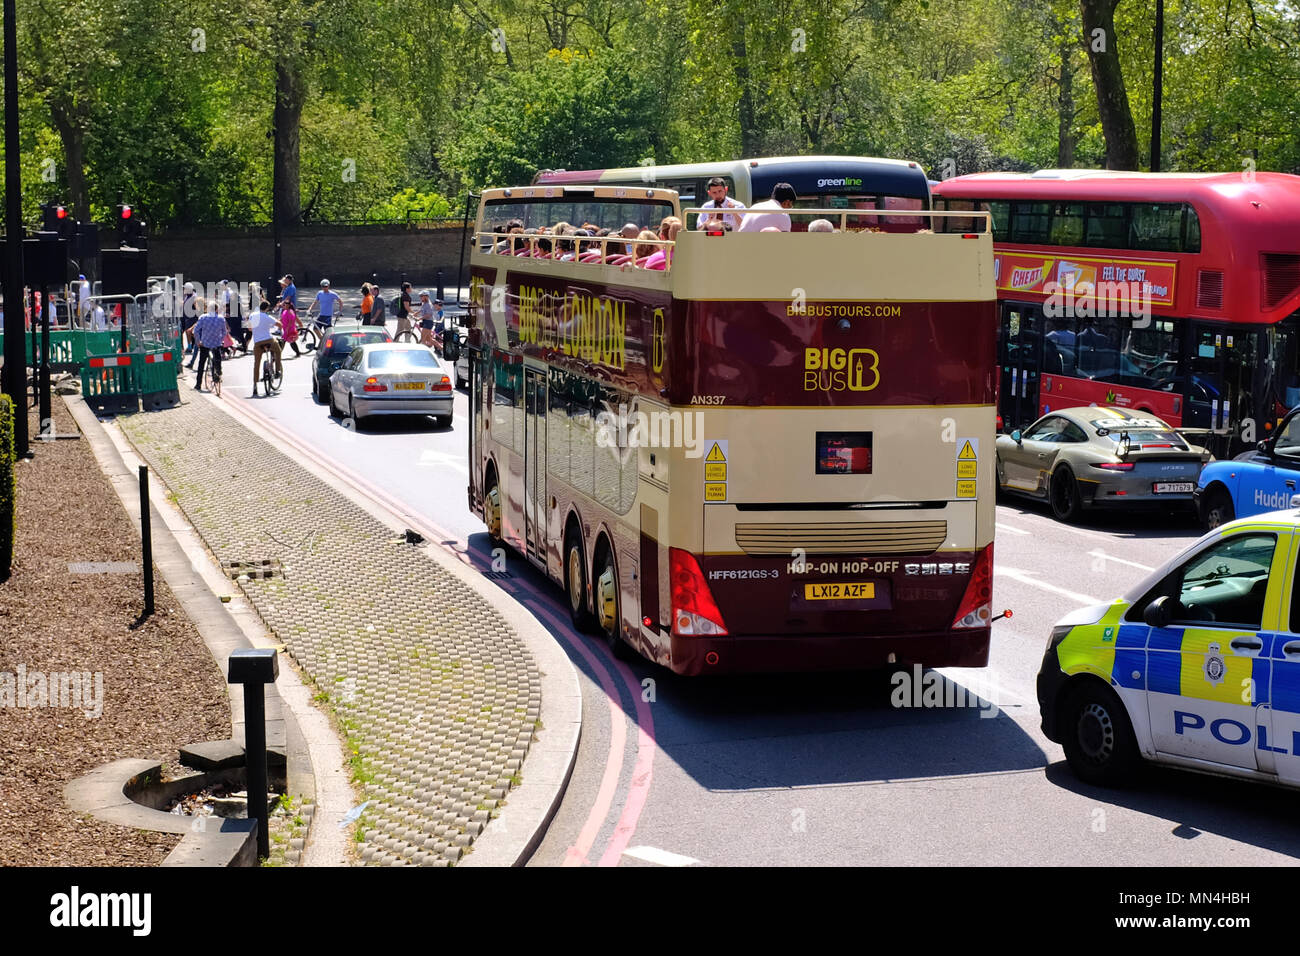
8 487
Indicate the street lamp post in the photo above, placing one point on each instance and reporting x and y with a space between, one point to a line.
1157 85
15 350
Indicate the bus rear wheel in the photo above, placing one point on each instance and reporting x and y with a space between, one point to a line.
608 615
492 510
575 584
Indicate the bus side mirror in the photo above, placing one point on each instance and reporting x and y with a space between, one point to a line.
1015 436
1159 612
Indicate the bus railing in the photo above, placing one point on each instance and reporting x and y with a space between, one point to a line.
612 249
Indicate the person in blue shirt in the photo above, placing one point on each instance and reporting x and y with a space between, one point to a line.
328 302
210 333
289 291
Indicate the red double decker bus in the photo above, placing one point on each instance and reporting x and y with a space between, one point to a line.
1170 293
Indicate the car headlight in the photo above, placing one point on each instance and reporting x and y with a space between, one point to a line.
1059 633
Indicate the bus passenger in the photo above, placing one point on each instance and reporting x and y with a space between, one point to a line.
821 225
663 256
783 197
631 231
645 247
718 199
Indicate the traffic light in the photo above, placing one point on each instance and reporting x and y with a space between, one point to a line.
131 225
53 217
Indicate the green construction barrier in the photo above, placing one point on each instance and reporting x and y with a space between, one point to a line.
110 384
158 380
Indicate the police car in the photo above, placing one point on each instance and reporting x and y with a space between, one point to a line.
1198 666
1255 481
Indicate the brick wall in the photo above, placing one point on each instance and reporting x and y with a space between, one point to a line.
343 254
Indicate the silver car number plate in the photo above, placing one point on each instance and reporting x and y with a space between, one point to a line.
1174 487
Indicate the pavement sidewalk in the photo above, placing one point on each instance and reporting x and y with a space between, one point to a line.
433 686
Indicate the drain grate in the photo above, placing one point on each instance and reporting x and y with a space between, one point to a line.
256 570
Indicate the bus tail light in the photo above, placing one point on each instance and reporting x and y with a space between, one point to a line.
976 607
695 613
374 385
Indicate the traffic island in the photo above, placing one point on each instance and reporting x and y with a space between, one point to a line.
435 694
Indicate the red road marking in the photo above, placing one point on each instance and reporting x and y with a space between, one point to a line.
639 791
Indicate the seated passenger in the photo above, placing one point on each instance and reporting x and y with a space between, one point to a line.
664 256
644 247
783 197
630 231
821 225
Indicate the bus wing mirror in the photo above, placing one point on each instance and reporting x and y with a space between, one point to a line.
1159 612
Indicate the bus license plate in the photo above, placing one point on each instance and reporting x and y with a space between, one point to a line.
410 385
1174 487
839 591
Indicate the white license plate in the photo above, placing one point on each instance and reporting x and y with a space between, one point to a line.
1174 487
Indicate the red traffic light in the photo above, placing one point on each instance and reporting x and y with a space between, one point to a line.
126 212
61 212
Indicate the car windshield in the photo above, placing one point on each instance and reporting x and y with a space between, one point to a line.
344 344
395 360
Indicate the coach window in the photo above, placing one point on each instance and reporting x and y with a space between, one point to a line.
1191 232
1106 225
582 438
503 400
1157 227
1030 222
557 426
1067 224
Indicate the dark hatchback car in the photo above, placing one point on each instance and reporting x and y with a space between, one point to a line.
334 351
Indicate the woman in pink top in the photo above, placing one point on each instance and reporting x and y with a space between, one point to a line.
289 324
668 230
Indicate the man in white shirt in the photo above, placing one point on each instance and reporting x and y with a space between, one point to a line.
718 199
262 324
101 321
83 296
783 197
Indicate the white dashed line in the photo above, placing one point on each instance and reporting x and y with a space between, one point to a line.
1027 577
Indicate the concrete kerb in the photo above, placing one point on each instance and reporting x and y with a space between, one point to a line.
315 763
512 836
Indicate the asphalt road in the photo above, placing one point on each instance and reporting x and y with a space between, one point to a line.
796 770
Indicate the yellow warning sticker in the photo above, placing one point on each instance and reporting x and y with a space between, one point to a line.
966 469
717 491
965 489
968 452
717 471
716 453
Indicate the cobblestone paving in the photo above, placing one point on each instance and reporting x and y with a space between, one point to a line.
436 693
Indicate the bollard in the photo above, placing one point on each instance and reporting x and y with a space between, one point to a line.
254 668
44 414
146 541
440 297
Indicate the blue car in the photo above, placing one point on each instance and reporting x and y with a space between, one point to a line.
1254 481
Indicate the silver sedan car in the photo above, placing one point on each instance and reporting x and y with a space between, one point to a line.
392 378
1094 457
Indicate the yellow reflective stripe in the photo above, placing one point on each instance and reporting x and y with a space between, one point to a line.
1192 679
1084 651
1274 600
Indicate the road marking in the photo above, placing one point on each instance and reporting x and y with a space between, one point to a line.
1110 557
1008 528
659 857
1027 577
430 457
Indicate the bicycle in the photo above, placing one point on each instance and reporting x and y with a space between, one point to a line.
311 332
272 374
409 334
211 379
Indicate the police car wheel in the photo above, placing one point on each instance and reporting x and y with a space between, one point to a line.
1064 495
1218 509
1098 738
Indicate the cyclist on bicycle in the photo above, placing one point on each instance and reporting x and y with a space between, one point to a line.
264 343
329 303
210 332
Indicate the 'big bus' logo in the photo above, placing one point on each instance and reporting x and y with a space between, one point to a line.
840 370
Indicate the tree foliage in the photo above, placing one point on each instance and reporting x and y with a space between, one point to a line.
171 104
